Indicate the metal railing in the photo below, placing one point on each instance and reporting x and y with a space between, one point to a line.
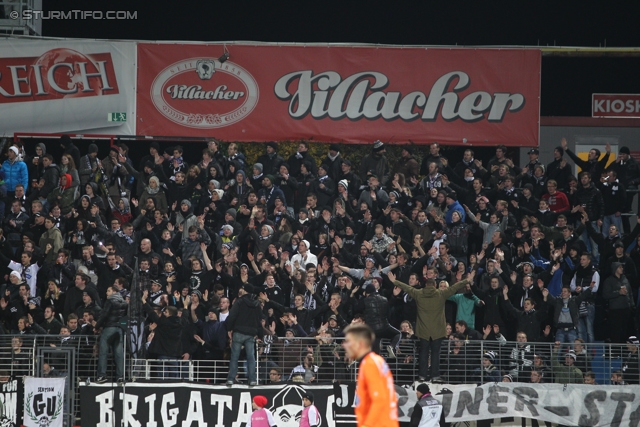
402 359
309 360
73 357
464 362
207 371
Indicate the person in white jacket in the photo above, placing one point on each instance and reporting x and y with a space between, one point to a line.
28 271
304 257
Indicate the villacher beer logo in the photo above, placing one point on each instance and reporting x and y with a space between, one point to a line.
202 93
365 95
57 74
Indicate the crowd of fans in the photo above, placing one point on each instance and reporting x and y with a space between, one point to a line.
224 253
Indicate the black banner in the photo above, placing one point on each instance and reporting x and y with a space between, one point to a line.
197 405
135 326
11 401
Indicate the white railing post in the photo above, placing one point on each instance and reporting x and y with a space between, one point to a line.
257 349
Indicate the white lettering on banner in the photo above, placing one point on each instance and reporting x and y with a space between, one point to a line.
190 405
244 410
222 402
361 96
194 411
78 71
196 92
329 412
131 405
105 400
9 403
584 405
615 105
101 74
43 402
17 80
169 416
151 400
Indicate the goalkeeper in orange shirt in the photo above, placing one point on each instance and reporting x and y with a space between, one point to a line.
376 400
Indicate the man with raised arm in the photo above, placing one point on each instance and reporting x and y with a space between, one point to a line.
431 322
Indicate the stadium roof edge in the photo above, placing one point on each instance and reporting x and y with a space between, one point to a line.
544 49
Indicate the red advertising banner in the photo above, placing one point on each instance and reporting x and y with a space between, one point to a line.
340 94
615 105
67 86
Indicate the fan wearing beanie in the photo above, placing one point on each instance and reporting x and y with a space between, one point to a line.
310 415
260 417
427 410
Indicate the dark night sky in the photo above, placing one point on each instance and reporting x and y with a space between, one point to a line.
567 83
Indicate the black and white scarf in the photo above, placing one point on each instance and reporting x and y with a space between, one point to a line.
121 233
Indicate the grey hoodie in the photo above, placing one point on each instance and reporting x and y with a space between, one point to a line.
126 204
612 287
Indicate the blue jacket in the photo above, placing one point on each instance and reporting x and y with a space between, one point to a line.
271 196
214 333
15 173
454 207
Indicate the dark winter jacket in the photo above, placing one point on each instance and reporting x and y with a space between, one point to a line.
493 310
213 333
115 309
167 335
614 196
376 163
270 163
458 238
628 171
594 167
73 298
270 195
245 316
408 166
296 160
325 194
376 310
528 322
51 177
559 174
288 187
573 305
591 199
611 293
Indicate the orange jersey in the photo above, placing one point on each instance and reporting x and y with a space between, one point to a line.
376 400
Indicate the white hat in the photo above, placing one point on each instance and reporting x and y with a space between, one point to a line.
14 149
